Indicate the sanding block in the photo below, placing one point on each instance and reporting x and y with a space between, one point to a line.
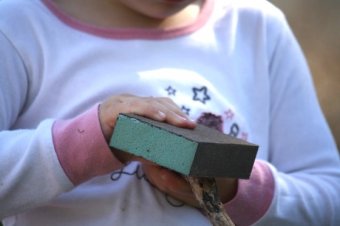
198 152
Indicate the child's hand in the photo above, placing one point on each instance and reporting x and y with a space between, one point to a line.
160 109
177 186
157 108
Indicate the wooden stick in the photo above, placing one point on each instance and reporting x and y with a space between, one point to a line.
205 191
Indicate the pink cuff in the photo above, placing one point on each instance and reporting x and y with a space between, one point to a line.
81 147
253 197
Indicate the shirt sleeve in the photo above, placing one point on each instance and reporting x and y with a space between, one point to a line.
303 158
39 164
30 173
81 147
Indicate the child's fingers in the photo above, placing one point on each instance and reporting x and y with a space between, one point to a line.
170 183
172 105
166 102
156 108
172 108
148 107
173 113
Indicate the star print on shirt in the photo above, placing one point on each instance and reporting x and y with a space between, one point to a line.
229 114
185 110
244 136
201 94
171 91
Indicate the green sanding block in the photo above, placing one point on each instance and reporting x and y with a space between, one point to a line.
199 152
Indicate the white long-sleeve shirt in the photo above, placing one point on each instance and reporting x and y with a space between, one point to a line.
237 68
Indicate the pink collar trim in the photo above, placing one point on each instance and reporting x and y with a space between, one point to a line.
133 33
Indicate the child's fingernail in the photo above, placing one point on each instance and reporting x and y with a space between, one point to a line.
183 118
187 119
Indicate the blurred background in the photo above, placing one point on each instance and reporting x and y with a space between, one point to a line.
316 24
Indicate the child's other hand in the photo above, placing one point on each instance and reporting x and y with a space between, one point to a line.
157 108
177 186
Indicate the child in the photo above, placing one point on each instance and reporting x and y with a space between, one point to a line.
69 67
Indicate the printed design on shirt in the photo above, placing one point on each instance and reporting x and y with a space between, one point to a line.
185 109
229 114
171 91
210 120
201 94
216 122
140 175
226 122
116 175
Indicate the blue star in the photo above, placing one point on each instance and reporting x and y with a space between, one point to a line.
201 94
185 110
171 91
